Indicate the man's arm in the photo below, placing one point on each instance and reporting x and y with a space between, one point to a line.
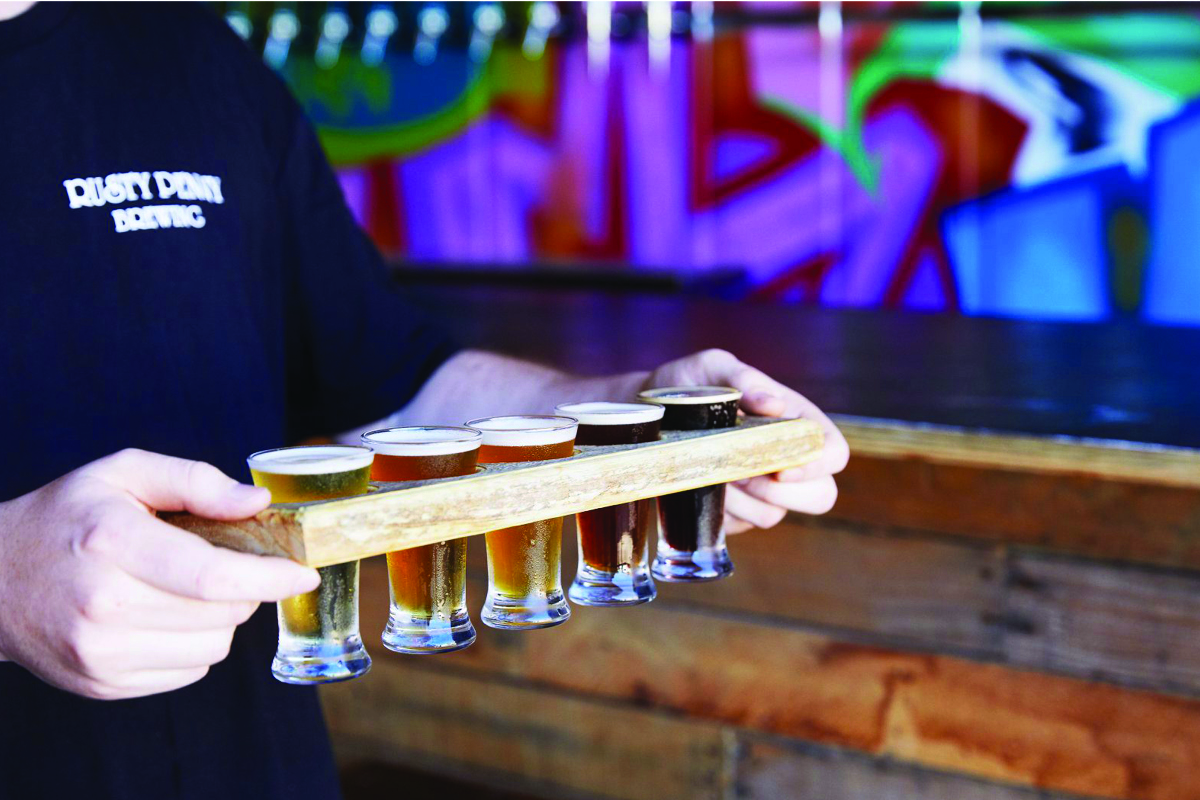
475 383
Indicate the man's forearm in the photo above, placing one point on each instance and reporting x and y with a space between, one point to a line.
476 383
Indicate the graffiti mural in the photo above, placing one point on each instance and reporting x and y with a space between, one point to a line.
957 163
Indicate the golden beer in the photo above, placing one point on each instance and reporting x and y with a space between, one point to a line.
428 583
319 640
525 561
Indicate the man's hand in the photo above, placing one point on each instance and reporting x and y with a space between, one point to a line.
762 502
100 598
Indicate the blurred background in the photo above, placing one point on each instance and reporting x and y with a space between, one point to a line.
967 229
921 156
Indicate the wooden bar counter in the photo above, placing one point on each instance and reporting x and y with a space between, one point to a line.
1004 604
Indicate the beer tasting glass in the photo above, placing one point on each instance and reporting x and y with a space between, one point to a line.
613 541
319 640
428 583
691 530
524 562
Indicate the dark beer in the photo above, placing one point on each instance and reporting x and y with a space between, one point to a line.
691 542
689 521
613 539
319 640
524 561
428 583
613 569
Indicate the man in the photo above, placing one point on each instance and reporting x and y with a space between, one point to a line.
180 275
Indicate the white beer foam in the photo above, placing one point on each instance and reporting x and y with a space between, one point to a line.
605 413
430 440
691 395
317 459
525 430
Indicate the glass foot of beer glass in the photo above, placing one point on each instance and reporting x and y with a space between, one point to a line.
613 541
319 641
691 528
428 584
524 562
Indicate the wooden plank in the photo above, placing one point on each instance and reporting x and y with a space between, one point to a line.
1082 514
1128 461
275 531
932 591
938 712
421 512
1124 624
1136 626
770 768
560 746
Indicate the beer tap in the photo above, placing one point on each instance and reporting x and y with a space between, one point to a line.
382 24
335 28
489 21
432 22
543 18
599 31
283 29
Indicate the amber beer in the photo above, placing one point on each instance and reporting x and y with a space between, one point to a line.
428 583
524 562
613 541
691 541
319 641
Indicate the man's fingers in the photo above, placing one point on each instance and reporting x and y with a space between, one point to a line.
181 563
114 597
165 483
816 496
764 404
833 459
751 510
733 525
761 394
170 650
187 614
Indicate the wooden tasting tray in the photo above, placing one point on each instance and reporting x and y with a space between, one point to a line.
395 516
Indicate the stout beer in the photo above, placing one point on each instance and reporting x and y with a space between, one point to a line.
691 541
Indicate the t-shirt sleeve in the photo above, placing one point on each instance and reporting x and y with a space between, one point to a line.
358 349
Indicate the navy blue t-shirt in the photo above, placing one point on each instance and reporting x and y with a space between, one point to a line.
178 272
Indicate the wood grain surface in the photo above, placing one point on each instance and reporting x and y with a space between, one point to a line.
564 747
1119 623
1102 518
1128 461
906 589
770 768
